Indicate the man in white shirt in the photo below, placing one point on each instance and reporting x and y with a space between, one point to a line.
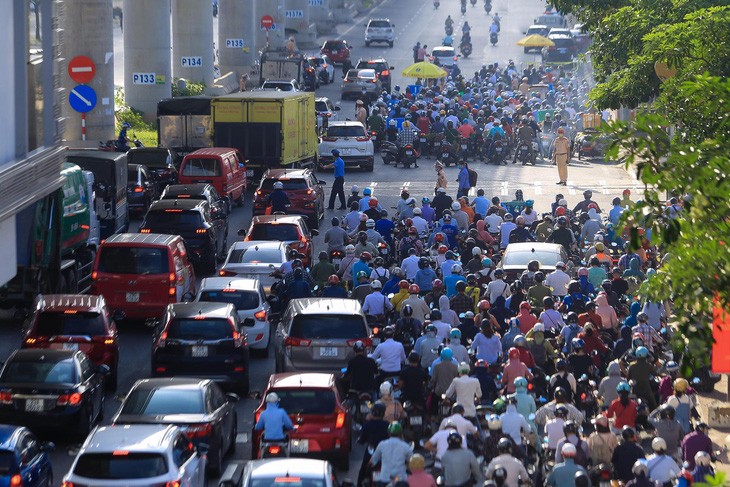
410 264
419 222
438 444
442 328
505 229
493 221
497 287
466 389
513 423
514 468
558 280
391 354
375 303
463 425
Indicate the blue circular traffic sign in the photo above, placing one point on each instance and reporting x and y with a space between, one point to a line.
82 98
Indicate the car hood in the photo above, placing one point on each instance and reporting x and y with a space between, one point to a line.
160 418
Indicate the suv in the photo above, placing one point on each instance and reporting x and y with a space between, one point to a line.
337 50
202 339
75 322
303 189
551 20
199 191
137 455
563 51
353 142
317 334
379 30
281 85
536 29
205 232
444 56
160 160
290 229
381 67
361 83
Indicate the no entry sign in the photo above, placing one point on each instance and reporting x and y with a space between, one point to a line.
81 69
267 21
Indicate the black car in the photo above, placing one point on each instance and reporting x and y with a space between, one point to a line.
160 160
205 231
564 50
381 67
142 188
198 406
202 339
200 191
49 389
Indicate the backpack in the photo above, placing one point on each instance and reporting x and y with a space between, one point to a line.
561 380
539 352
383 279
473 176
574 330
580 455
408 244
577 303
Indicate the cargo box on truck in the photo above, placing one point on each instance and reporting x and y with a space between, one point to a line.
184 124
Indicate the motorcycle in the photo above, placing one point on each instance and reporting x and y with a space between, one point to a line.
113 145
601 475
466 49
409 156
523 153
464 149
389 152
448 154
587 400
493 38
415 427
434 146
375 137
497 155
449 30
488 7
463 8
336 258
384 252
274 448
436 3
422 145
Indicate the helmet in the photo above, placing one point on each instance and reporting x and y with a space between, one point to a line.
460 286
548 302
642 352
463 368
395 428
666 411
456 269
414 289
447 354
560 394
569 450
572 317
561 411
272 398
455 206
487 262
672 367
587 193
403 284
373 202
366 256
539 328
442 249
378 409
397 271
278 185
483 305
514 323
425 200
659 445
509 217
127 125
581 479
533 265
520 383
639 467
498 406
642 317
333 279
417 211
504 445
368 191
520 341
455 333
578 343
583 271
358 346
435 314
439 237
702 459
520 220
350 249
354 189
386 388
437 284
514 353
389 331
570 427
623 386
376 284
407 309
481 363
680 385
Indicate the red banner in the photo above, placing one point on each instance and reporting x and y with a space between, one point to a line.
721 334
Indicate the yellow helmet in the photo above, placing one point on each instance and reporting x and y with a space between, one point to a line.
681 385
442 112
406 124
417 462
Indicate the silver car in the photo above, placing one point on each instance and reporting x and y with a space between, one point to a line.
358 81
256 259
290 471
317 335
138 456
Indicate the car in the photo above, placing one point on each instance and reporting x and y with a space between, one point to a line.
379 30
75 322
296 471
324 108
257 259
382 69
536 29
444 56
352 140
317 334
162 161
338 51
324 67
222 167
551 20
563 51
281 85
205 231
138 455
142 188
203 340
198 191
318 410
560 31
290 229
24 459
361 82
197 406
517 255
582 39
51 389
248 295
303 189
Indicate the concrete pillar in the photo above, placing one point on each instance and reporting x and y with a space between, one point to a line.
237 24
275 8
319 13
296 18
192 40
86 30
340 11
147 71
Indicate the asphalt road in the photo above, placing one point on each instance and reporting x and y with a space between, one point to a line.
415 21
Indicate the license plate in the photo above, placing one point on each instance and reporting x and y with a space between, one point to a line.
345 152
374 137
437 144
133 297
376 342
422 140
445 155
416 420
336 261
334 52
561 50
249 173
299 446
70 346
328 351
34 405
463 146
200 351
497 149
409 152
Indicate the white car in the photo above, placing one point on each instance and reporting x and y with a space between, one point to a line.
353 142
255 259
379 30
325 109
290 471
137 455
281 85
323 65
247 295
445 55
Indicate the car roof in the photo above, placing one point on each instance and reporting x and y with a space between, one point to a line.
149 149
190 189
556 35
141 238
176 382
9 435
528 246
376 60
286 219
262 244
238 283
300 467
379 18
283 173
80 302
134 437
320 98
211 151
289 380
94 154
347 123
205 309
337 306
177 204
49 354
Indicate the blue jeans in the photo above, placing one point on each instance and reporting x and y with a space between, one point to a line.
539 145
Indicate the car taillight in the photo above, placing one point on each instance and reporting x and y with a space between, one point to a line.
340 422
201 230
274 450
374 80
329 139
94 274
16 481
296 342
109 341
69 399
302 242
30 341
161 343
226 273
261 315
365 341
173 483
362 139
198 430
145 230
6 398
67 484
258 415
385 73
138 189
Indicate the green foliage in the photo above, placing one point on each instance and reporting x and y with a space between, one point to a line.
191 89
125 113
718 480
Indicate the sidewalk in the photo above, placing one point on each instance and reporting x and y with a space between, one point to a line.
720 436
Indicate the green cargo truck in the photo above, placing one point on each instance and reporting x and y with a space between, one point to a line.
270 128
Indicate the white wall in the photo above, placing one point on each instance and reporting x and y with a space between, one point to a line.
7 81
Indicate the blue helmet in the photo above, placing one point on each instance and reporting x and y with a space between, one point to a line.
520 383
642 352
447 354
578 343
455 333
672 366
623 386
366 192
127 125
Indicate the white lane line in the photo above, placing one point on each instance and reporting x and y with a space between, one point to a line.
538 189
242 438
504 190
406 184
604 189
571 190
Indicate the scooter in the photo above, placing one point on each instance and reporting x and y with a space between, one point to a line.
436 4
493 38
523 153
448 154
336 258
389 152
487 7
409 156
375 137
466 49
448 30
497 155
112 145
473 3
463 8
274 448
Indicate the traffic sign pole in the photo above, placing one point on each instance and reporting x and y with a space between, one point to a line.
83 126
267 21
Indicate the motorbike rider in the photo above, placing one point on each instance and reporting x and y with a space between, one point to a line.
427 346
393 454
278 199
391 355
333 288
668 428
640 473
412 381
683 404
123 140
623 409
695 442
525 134
448 40
460 465
546 412
571 432
562 235
373 211
582 207
702 467
273 420
641 371
466 390
361 371
515 469
373 431
565 473
662 468
449 22
323 269
336 237
602 441
461 354
554 428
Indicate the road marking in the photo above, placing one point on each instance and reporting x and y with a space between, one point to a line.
504 191
538 189
604 189
571 190
242 438
406 184
472 192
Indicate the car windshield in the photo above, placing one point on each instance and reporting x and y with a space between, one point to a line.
133 260
346 131
41 372
377 66
256 255
306 401
151 159
70 322
158 220
115 465
7 459
242 300
194 329
282 233
334 45
550 20
207 167
442 53
379 23
321 106
562 42
165 400
366 74
535 30
288 183
549 258
279 86
315 61
287 480
343 327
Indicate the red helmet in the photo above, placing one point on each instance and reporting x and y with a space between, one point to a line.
366 256
474 111
627 191
437 284
525 305
443 249
373 202
409 222
414 289
414 108
483 305
333 279
439 237
514 353
363 217
413 231
560 211
481 363
594 206
403 284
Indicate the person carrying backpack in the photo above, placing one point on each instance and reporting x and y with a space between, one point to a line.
571 331
563 379
582 455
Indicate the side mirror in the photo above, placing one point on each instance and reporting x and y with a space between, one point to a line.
314 232
231 397
104 369
391 67
242 232
48 446
322 183
337 108
188 296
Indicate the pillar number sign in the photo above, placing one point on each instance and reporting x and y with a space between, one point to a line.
143 78
295 14
234 43
191 61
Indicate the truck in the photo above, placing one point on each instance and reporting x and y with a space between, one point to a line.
272 129
283 65
184 125
56 239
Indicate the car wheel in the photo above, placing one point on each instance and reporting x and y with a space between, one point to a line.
367 44
239 200
234 434
390 44
369 168
215 462
332 78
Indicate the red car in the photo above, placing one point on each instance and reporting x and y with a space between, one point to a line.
75 322
337 51
322 421
291 229
303 189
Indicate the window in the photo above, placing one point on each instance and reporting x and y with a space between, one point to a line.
152 159
307 401
182 450
321 106
379 23
282 233
289 481
177 219
87 368
194 167
165 400
242 300
133 260
192 329
256 255
345 131
28 449
63 372
549 258
328 326
129 465
80 323
217 399
290 184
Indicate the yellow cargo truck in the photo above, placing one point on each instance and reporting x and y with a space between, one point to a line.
271 128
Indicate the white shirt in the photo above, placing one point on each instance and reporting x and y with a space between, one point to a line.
552 319
662 468
506 228
376 304
442 329
391 355
554 432
514 469
513 424
421 225
410 266
466 389
558 280
493 222
378 273
439 439
463 425
496 289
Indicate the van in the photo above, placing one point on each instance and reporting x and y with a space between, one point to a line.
140 274
221 167
551 20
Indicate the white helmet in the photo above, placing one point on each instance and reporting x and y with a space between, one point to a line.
639 467
350 249
455 206
456 269
658 445
355 189
370 223
569 450
376 284
386 388
278 185
417 211
563 202
702 459
392 122
272 398
476 251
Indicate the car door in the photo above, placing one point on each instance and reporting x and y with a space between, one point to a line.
30 461
92 381
216 225
190 465
221 417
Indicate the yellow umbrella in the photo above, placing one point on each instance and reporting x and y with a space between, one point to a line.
535 40
424 70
